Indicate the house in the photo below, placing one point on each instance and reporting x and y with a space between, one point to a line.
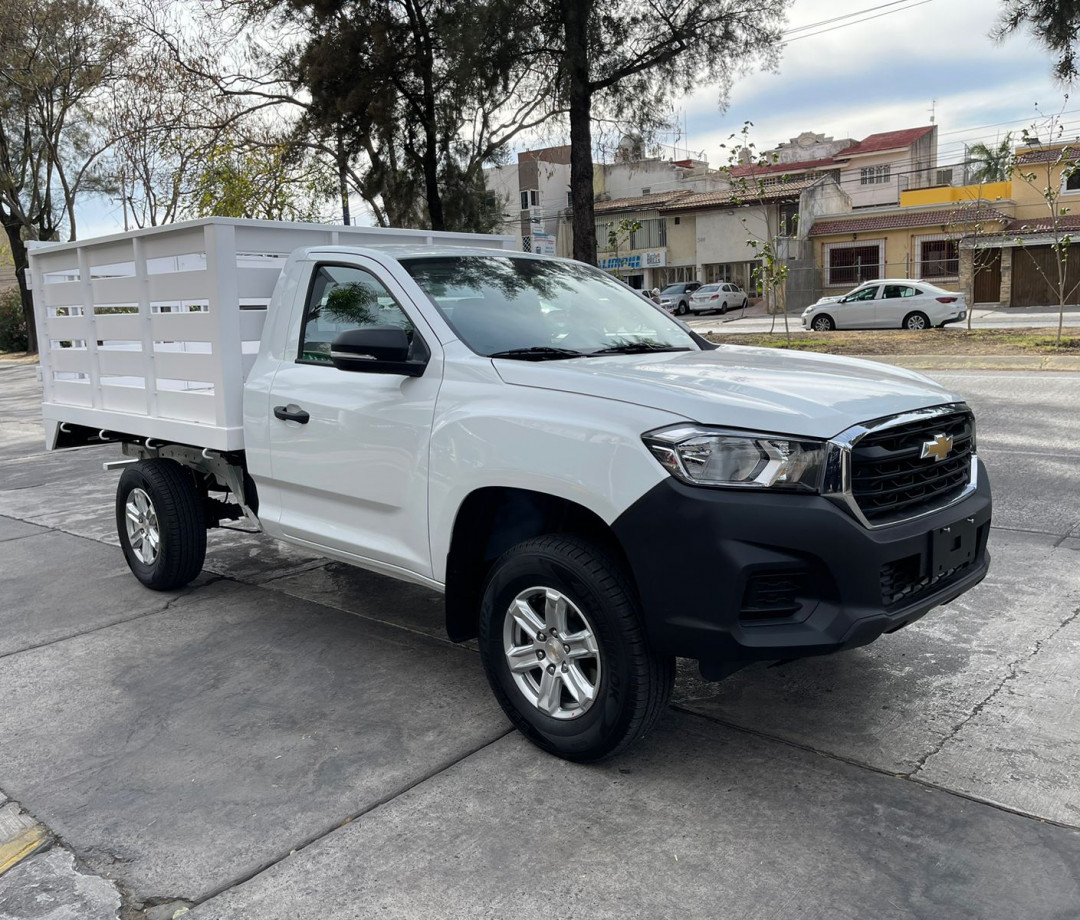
994 241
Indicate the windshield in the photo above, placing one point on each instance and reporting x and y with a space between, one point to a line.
673 289
539 309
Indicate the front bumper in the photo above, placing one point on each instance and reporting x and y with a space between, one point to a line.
730 576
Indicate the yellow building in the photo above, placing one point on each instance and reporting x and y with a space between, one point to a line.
995 241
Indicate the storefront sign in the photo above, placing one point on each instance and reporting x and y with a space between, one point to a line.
656 258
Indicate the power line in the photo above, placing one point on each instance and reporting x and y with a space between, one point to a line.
844 25
825 22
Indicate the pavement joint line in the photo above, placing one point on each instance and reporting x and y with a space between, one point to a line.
435 771
111 624
850 761
1013 672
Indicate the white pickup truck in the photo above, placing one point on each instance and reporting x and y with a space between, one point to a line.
595 488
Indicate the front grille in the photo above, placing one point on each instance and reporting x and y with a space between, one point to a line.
889 478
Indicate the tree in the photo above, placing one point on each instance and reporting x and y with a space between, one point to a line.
622 57
56 59
424 93
760 191
992 164
1056 23
1047 166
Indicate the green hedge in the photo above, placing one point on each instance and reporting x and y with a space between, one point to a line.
12 323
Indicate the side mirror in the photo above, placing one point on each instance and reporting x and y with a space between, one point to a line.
378 350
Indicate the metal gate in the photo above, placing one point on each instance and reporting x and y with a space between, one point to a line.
1035 274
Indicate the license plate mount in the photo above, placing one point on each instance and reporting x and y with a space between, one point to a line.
953 546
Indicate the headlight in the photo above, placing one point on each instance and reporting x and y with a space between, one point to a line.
710 457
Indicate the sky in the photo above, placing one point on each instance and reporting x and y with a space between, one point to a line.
895 65
903 64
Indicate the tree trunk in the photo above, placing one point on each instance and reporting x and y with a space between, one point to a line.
575 16
22 262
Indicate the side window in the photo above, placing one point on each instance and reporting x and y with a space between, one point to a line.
894 290
865 294
342 298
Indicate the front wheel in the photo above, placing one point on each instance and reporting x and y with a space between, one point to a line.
682 309
161 523
822 323
564 650
916 321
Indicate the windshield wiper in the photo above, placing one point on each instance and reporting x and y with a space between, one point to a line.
538 353
630 348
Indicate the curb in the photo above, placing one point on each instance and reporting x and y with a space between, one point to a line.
980 362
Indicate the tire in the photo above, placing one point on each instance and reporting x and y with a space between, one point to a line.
916 321
616 686
723 308
822 323
682 309
161 523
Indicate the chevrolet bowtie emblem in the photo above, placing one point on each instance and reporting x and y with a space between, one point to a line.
939 448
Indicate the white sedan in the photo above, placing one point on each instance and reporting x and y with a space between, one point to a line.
888 303
719 297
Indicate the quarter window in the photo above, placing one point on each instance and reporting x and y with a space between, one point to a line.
344 297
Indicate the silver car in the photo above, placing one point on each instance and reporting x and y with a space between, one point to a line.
889 303
720 298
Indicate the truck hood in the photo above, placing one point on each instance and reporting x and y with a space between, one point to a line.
763 389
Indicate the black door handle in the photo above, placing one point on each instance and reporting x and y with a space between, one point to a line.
283 413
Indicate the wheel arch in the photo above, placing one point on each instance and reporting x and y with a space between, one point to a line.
490 521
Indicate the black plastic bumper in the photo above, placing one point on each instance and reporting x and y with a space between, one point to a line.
727 576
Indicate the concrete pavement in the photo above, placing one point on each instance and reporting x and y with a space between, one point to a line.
293 738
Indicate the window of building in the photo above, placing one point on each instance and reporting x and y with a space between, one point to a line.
569 199
646 191
1072 179
939 259
789 218
530 198
852 264
874 175
651 234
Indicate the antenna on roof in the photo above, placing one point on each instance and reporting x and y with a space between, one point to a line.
933 105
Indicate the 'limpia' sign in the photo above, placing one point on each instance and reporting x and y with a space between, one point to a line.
656 258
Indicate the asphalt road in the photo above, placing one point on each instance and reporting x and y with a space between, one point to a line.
291 738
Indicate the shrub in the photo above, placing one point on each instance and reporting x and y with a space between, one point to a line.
13 335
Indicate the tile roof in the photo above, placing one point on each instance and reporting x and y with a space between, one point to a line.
897 221
1042 224
1047 155
888 140
753 169
639 203
731 198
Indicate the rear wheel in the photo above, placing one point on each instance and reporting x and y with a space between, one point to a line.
916 321
161 523
564 650
822 323
723 308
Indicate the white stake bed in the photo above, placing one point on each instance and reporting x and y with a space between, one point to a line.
151 333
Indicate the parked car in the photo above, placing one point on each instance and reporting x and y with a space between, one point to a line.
717 297
675 298
890 303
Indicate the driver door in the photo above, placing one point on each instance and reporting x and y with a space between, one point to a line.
353 474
